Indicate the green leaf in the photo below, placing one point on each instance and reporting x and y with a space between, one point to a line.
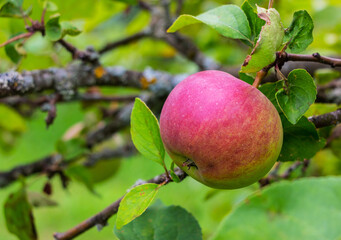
72 148
320 108
11 120
246 78
81 174
229 20
12 9
325 75
69 29
17 3
135 202
162 223
255 22
175 177
270 89
50 6
300 141
305 209
297 96
145 132
300 33
19 217
53 28
269 41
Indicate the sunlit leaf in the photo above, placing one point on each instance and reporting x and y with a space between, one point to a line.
269 41
135 202
229 20
299 35
145 132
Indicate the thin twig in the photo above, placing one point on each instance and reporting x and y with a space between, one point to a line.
315 57
20 36
124 41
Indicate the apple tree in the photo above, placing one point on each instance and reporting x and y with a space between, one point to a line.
247 94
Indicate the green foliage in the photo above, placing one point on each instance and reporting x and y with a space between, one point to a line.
175 177
18 214
10 120
69 29
14 50
12 9
301 141
53 28
130 2
162 223
50 6
82 175
299 35
269 41
320 108
303 209
72 148
246 78
145 132
325 75
270 90
297 95
255 22
229 20
135 202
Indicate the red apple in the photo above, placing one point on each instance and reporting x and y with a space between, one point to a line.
220 130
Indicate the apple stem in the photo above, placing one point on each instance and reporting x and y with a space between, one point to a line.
260 75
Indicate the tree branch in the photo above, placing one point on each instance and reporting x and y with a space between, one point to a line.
124 41
102 217
315 57
56 161
327 119
21 36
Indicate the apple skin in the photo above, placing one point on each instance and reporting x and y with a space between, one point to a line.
228 128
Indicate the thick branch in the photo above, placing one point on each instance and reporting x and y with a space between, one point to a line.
56 161
102 217
39 166
327 119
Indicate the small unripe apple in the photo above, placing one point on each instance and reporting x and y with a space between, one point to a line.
220 130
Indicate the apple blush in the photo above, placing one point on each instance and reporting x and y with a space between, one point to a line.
220 130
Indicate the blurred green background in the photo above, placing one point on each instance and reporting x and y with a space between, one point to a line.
103 21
